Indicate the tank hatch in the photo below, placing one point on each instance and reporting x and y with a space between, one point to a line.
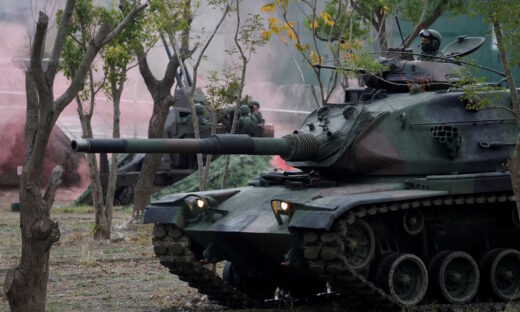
463 46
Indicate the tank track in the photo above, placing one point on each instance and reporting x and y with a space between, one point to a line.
172 247
323 254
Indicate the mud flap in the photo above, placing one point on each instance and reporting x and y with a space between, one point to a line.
165 215
311 220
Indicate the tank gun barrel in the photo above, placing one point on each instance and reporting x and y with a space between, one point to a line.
291 147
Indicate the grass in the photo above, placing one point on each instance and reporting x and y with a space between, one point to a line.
74 209
115 250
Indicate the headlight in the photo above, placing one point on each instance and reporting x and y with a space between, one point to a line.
284 206
200 203
280 208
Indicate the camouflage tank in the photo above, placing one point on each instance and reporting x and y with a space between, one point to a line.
173 167
401 199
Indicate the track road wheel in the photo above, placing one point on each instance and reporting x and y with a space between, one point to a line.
404 277
501 273
360 245
455 275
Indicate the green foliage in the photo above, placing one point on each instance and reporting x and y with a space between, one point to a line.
335 22
80 33
242 168
362 60
411 10
508 14
222 88
250 33
116 55
169 16
119 53
476 93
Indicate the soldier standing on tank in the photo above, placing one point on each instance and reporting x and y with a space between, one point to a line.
246 124
430 43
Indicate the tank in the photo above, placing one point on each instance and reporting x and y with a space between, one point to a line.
400 198
173 167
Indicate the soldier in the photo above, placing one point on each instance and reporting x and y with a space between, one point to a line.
430 43
255 114
246 125
200 109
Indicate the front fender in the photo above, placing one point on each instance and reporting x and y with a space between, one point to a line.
322 213
165 214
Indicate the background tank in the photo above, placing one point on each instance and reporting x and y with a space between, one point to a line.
402 199
173 166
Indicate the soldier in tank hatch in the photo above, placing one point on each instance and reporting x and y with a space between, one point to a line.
200 109
430 43
254 105
246 124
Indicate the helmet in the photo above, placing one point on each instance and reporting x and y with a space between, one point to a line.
199 108
435 40
254 102
244 110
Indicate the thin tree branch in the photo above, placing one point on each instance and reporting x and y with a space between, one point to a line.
37 55
60 40
436 13
84 67
129 17
149 79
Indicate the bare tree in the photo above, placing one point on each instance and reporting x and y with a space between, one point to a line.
169 16
247 39
115 60
203 168
26 285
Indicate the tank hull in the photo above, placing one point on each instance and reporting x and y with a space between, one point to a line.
471 214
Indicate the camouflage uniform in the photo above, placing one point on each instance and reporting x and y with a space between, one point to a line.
256 116
246 125
199 109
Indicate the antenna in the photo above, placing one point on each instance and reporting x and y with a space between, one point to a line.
400 32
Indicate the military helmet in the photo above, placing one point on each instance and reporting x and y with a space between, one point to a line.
254 102
244 110
435 40
199 108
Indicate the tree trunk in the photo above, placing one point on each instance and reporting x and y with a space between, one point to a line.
112 178
239 95
101 230
151 162
26 285
514 162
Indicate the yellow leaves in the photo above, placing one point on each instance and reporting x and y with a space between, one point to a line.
326 18
313 24
315 58
291 34
267 8
274 25
283 4
282 38
384 10
265 35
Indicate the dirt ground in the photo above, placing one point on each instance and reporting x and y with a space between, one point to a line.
86 275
